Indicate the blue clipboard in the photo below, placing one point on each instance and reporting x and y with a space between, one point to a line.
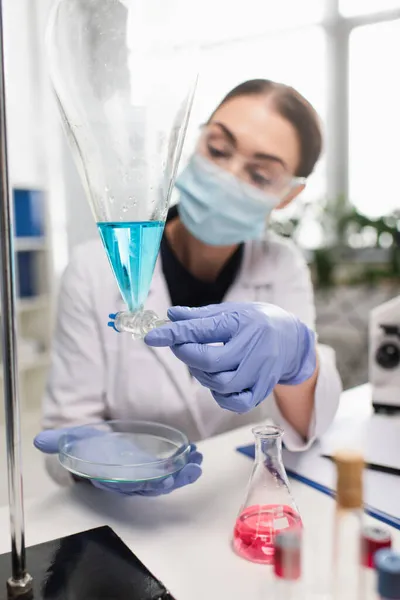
375 513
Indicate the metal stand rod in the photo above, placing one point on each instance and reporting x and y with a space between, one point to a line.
20 583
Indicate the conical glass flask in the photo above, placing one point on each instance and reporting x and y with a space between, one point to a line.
269 506
125 92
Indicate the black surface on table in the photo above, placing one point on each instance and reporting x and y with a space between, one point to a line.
92 565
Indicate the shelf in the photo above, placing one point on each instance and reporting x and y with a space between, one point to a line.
25 305
29 244
40 361
30 304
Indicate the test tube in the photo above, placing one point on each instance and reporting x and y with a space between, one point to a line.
373 538
347 579
287 564
387 563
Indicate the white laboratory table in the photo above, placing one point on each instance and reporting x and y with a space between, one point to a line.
184 538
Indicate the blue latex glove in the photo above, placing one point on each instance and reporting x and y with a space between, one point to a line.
261 345
47 441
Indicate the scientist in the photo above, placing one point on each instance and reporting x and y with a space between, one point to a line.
249 289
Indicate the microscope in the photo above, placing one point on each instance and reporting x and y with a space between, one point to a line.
384 356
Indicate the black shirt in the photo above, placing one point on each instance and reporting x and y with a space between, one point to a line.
185 289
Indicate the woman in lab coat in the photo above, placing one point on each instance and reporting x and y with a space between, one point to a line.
260 144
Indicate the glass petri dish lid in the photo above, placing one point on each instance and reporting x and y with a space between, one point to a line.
123 451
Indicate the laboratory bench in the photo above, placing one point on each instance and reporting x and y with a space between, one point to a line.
185 538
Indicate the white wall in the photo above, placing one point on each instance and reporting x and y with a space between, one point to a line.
50 147
25 147
37 150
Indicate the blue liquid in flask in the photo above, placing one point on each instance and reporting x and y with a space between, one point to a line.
132 250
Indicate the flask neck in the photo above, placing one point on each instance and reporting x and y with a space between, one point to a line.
268 441
268 448
269 452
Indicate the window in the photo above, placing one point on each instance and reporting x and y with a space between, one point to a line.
229 20
374 118
351 8
219 21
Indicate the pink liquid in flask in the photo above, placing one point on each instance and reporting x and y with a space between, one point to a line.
256 528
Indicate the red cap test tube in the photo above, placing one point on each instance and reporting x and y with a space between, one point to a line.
373 539
287 555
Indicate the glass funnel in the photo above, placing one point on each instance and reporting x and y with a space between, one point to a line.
125 92
269 507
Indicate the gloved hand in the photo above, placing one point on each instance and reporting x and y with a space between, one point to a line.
261 345
47 441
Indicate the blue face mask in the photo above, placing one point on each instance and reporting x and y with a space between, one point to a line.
218 208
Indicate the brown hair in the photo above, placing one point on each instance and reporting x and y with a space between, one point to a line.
294 108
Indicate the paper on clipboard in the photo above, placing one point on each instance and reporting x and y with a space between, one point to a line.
377 437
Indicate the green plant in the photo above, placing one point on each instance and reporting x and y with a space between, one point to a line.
343 226
333 220
395 261
324 267
372 276
286 228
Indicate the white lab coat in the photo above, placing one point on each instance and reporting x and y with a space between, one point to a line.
97 373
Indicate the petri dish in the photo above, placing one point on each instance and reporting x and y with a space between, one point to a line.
124 451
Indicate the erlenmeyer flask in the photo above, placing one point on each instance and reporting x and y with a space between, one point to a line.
269 506
125 91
